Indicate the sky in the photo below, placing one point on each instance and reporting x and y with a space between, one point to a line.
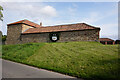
98 14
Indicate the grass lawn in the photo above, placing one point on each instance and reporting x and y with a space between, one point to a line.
87 60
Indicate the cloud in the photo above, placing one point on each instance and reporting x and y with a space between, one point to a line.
48 10
29 10
48 15
22 0
109 30
92 17
0 25
96 16
35 12
60 0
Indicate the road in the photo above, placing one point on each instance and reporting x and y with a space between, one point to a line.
17 70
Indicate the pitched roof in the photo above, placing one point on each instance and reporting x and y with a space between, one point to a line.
25 22
59 28
105 39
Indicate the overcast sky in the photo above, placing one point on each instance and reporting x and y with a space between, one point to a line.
99 14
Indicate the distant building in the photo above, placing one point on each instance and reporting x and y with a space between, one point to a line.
117 42
25 31
106 41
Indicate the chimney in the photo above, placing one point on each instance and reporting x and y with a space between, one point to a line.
40 24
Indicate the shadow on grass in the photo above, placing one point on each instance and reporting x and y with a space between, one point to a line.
111 73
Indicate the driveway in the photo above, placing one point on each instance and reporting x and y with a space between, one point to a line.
16 70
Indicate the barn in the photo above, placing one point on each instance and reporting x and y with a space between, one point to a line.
25 31
106 41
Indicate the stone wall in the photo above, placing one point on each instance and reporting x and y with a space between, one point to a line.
85 35
36 38
13 34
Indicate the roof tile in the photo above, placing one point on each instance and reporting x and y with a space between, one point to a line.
25 22
59 28
105 39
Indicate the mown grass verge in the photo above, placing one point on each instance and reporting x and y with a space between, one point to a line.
87 60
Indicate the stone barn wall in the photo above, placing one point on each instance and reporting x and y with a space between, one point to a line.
84 35
13 34
41 37
16 35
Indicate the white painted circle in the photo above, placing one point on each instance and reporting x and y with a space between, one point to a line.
54 38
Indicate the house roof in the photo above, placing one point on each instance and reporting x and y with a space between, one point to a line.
25 22
59 28
56 28
105 39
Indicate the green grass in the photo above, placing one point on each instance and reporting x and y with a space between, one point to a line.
87 60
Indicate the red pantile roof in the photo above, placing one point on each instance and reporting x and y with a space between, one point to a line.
105 39
59 28
25 22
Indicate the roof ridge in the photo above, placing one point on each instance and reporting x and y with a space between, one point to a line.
72 24
57 29
30 21
105 38
90 25
25 21
63 25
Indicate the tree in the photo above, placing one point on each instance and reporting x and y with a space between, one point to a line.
4 37
1 15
